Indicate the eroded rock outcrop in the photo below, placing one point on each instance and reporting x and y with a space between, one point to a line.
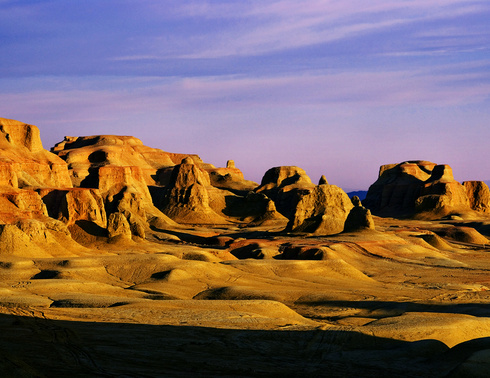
119 227
24 168
20 204
478 195
359 217
121 168
23 161
85 155
417 188
76 204
44 237
319 209
441 195
186 199
322 211
285 185
140 181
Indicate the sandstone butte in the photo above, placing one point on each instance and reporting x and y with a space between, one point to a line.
118 259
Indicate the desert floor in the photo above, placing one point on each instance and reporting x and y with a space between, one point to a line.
390 302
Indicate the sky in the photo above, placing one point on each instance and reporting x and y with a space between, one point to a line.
336 87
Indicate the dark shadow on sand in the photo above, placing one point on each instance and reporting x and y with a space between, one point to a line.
52 348
383 309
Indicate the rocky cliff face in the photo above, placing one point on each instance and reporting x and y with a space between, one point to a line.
26 167
23 161
422 189
35 187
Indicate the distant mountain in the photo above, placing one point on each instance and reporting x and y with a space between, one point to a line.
487 182
360 193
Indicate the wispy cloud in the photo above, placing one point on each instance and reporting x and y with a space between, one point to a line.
279 25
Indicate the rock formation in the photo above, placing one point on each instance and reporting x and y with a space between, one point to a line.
147 183
441 195
115 188
24 168
42 237
359 217
76 204
119 227
85 155
322 211
478 195
19 204
422 189
319 209
397 188
23 161
285 185
186 198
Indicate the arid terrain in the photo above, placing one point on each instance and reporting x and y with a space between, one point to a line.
120 260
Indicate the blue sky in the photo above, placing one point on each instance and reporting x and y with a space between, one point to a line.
335 87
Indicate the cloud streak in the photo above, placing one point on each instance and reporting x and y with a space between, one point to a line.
289 24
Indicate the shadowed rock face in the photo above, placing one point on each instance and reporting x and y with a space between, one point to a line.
397 188
72 205
284 185
359 218
422 189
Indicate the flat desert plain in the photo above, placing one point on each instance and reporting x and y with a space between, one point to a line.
395 301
